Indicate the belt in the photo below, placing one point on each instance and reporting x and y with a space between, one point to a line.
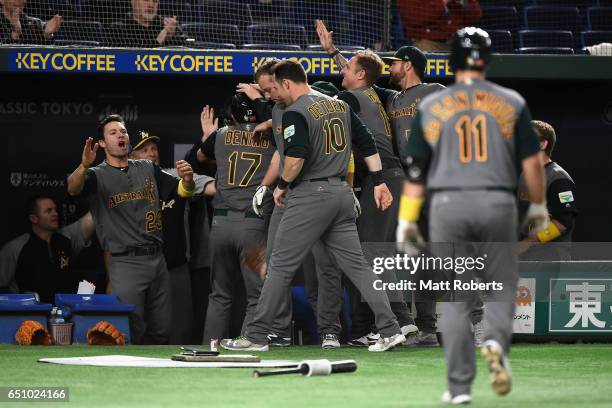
138 251
222 212
342 178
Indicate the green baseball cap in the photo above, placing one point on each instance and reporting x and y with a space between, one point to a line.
411 54
326 88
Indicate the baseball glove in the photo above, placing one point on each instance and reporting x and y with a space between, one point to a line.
105 334
32 333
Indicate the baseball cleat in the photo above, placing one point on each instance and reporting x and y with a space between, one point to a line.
364 341
278 341
427 340
242 344
410 331
330 341
387 343
447 398
499 367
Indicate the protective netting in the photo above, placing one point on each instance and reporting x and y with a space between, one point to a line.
521 26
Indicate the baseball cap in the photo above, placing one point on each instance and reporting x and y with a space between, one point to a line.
144 137
411 54
326 88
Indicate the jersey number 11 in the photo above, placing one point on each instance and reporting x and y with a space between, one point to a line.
472 131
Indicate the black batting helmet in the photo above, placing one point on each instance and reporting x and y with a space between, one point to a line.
241 108
470 50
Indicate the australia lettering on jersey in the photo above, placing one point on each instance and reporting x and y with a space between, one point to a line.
406 111
145 194
481 100
325 107
236 137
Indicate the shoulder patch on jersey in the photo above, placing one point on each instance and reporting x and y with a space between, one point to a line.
566 197
289 131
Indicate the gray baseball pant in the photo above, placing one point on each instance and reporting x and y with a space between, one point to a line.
182 306
144 282
319 210
230 237
488 218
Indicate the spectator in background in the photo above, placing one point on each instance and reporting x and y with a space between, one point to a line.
41 260
16 27
430 24
144 28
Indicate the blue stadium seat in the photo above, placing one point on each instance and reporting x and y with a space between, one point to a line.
180 9
501 41
213 33
281 47
318 47
552 18
599 18
581 4
499 18
546 50
212 46
332 12
223 12
269 12
81 30
504 3
276 34
545 38
595 37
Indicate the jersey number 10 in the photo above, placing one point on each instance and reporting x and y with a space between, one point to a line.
335 135
472 131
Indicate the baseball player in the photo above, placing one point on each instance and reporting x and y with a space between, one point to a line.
241 164
358 75
561 201
317 132
124 198
465 145
325 287
174 213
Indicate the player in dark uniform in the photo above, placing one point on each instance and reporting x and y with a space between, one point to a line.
242 161
124 197
561 201
317 146
466 143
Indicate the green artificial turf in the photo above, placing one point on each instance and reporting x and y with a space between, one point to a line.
544 376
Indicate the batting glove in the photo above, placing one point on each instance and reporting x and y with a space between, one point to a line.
537 216
258 199
356 206
406 235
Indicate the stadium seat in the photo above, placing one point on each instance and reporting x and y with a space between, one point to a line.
270 12
595 37
599 18
282 47
223 12
545 38
546 50
504 3
212 46
499 18
318 47
501 41
552 18
276 33
81 30
332 12
581 4
213 33
180 9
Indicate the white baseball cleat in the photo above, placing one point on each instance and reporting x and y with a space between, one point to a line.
330 341
447 398
411 332
387 343
242 344
499 367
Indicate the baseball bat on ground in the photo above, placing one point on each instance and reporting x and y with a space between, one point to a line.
313 368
